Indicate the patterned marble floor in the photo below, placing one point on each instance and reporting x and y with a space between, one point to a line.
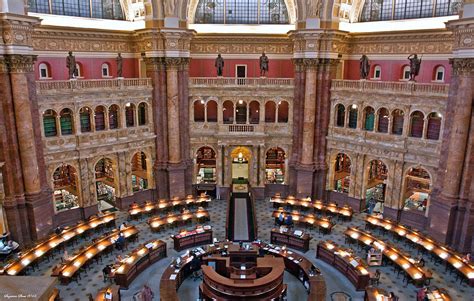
91 282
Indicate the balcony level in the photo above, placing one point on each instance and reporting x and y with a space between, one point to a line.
89 85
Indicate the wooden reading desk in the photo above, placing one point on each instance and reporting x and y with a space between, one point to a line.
290 238
324 225
163 204
43 248
156 223
190 239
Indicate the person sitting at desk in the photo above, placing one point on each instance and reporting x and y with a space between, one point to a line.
421 294
280 219
65 257
195 266
58 230
4 248
466 258
120 242
123 226
392 297
289 220
133 205
420 262
118 260
106 272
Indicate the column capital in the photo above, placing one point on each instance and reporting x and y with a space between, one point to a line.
176 62
154 63
462 66
299 65
310 63
18 63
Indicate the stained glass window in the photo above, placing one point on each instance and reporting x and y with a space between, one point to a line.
101 9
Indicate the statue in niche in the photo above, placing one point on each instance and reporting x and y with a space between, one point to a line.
219 64
415 63
71 65
364 67
169 8
119 61
313 8
263 64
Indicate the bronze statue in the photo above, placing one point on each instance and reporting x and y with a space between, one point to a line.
415 63
263 64
119 61
364 67
219 64
71 65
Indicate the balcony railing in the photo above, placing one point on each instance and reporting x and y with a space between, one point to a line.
410 88
241 128
239 82
91 84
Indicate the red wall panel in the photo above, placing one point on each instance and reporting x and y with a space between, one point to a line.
91 67
392 70
276 68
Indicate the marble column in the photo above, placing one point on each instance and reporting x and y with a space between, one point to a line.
451 213
183 80
157 72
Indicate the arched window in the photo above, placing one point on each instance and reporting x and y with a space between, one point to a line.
85 119
417 189
105 70
114 117
376 186
49 123
130 114
397 122
377 72
228 112
66 190
66 121
369 118
211 110
44 71
139 172
254 113
283 111
416 124
199 112
439 74
142 113
241 112
206 165
340 115
270 111
105 174
353 116
406 72
99 118
434 126
275 166
383 10
241 12
383 121
342 173
79 71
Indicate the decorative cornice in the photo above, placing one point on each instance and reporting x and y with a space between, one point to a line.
462 66
3 65
17 63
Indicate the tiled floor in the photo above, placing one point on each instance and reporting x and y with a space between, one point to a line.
93 280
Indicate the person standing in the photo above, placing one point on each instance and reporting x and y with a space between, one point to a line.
147 293
219 64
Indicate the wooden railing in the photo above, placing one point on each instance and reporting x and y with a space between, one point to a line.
244 81
44 86
236 128
404 87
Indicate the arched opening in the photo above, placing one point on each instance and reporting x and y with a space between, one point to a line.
228 112
85 119
417 189
142 113
254 113
139 172
211 110
417 121
105 181
241 112
376 185
434 126
199 114
275 166
342 173
283 111
270 111
65 186
79 71
383 121
240 164
369 118
99 118
49 123
439 74
66 121
353 112
130 114
114 117
405 72
44 71
105 70
340 115
397 122
206 165
377 72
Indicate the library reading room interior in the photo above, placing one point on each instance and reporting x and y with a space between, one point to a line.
226 150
